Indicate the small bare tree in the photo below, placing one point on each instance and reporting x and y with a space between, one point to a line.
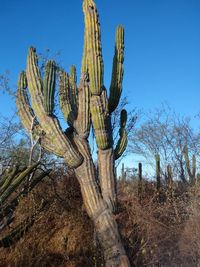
165 133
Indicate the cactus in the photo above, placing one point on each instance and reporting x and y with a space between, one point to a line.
191 173
158 175
117 71
83 107
170 181
11 206
123 173
49 86
123 140
140 181
13 182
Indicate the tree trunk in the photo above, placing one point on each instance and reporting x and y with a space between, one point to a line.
99 211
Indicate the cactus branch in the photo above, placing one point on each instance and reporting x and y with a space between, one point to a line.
49 123
65 99
83 121
123 140
73 89
49 86
117 71
93 41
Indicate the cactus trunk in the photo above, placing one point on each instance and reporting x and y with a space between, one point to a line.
99 212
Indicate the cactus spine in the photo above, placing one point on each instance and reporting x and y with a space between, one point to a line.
83 107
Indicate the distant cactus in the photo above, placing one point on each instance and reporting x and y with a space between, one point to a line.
123 173
83 106
140 181
191 172
170 181
158 173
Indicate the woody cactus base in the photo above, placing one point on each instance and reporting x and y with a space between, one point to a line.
84 106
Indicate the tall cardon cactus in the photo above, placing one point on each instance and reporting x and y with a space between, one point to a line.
84 106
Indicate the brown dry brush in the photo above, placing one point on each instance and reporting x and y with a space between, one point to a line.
61 233
155 233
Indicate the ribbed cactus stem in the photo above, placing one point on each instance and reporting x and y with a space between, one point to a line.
73 88
16 182
49 86
64 98
8 180
100 121
123 118
84 64
94 53
123 136
83 121
49 124
117 70
191 173
24 109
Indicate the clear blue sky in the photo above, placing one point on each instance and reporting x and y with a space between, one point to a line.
162 42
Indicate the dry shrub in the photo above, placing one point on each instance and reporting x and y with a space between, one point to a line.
62 234
152 229
157 232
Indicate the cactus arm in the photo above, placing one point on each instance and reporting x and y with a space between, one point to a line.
35 83
121 145
123 140
84 65
16 182
8 180
49 86
73 88
25 111
100 120
94 53
117 70
50 124
28 117
83 121
64 98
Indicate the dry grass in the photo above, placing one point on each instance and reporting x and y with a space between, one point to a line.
156 233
